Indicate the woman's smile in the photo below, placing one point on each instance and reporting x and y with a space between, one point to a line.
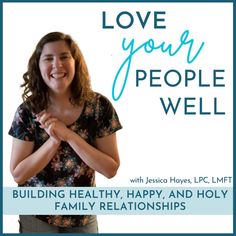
58 75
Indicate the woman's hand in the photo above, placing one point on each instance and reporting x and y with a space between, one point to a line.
46 122
54 127
103 157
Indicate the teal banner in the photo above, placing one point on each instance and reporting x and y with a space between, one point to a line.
117 201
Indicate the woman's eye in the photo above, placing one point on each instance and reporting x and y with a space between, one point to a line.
65 57
47 58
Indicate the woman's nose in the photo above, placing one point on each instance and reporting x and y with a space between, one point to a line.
57 63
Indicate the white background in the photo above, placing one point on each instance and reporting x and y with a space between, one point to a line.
151 143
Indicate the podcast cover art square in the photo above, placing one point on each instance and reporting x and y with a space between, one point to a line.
167 69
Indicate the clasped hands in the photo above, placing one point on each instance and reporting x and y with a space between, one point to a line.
55 128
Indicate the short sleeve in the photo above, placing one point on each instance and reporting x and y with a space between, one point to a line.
108 120
22 125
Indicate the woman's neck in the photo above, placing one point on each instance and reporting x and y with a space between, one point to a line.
60 101
61 108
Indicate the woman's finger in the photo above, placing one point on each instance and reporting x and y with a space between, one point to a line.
49 121
43 118
40 113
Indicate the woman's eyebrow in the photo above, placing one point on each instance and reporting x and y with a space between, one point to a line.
65 53
61 54
47 55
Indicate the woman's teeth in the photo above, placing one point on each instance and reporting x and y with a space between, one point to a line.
58 75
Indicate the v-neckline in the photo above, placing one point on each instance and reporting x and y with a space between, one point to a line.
79 117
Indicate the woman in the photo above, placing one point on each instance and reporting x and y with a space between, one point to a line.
63 131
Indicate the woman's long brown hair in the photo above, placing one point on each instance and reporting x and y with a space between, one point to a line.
35 93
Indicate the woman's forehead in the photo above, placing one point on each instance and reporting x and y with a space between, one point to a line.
56 46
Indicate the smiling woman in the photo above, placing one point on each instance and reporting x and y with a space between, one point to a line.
57 67
62 132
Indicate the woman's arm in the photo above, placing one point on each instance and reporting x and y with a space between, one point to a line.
26 164
104 158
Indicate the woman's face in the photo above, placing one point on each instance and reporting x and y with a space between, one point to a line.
57 67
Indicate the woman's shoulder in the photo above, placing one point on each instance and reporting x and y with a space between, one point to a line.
23 110
23 107
99 98
98 105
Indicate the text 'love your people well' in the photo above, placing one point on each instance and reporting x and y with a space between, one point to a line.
186 49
